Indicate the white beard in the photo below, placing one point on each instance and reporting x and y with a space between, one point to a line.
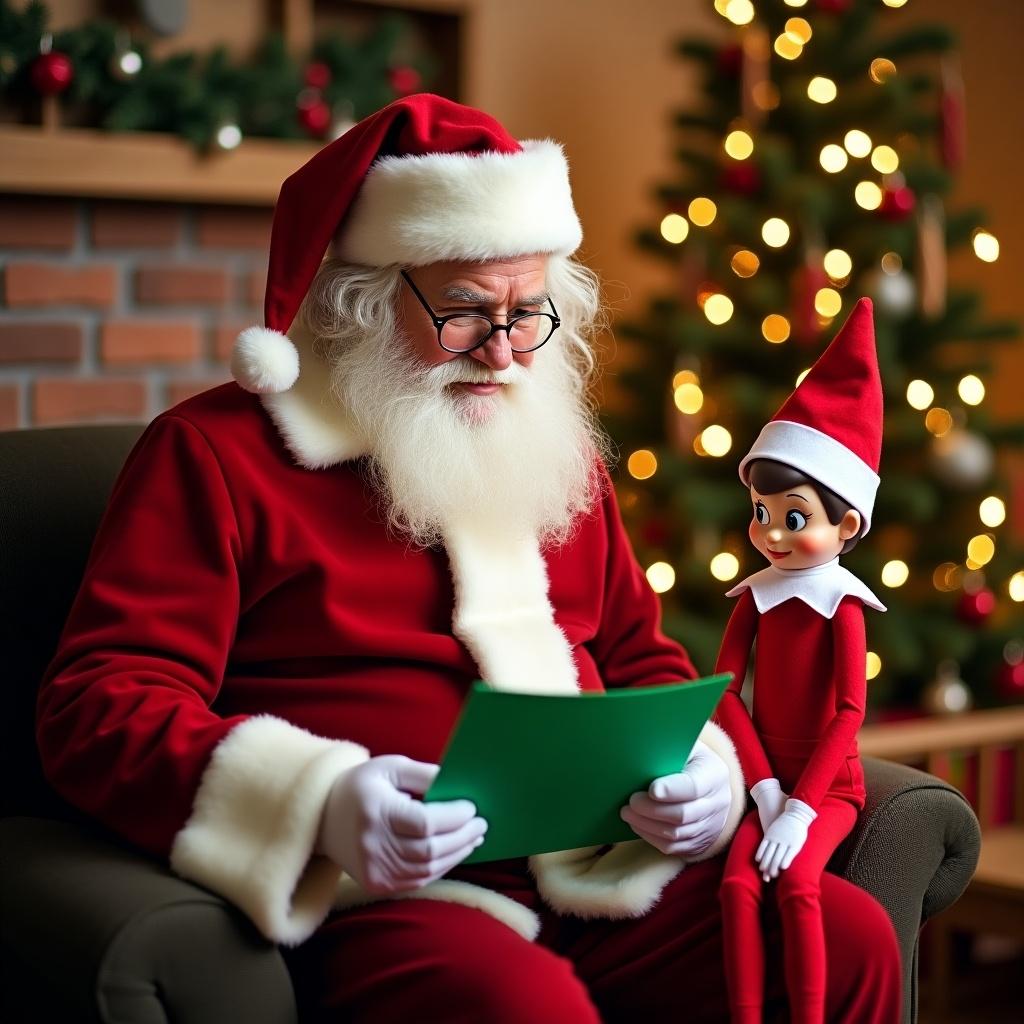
523 461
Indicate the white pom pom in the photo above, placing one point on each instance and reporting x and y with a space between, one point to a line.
264 362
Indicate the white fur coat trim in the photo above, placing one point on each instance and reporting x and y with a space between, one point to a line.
254 822
417 210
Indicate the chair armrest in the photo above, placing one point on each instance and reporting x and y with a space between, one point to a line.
91 931
914 848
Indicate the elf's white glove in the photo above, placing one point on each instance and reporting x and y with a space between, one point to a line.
784 839
387 841
770 800
683 813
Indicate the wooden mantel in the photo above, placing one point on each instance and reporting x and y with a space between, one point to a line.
89 163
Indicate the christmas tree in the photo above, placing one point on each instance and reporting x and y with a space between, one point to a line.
814 168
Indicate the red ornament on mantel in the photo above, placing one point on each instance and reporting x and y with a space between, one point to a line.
52 72
975 608
742 177
1010 681
313 114
405 80
897 203
317 75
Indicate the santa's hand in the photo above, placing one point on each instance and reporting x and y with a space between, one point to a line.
387 841
784 839
683 814
770 800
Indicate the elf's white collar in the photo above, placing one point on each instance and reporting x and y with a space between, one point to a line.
821 587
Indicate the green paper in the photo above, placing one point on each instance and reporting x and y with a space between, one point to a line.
551 772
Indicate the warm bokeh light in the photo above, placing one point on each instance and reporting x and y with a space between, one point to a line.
892 263
1016 586
992 511
838 264
873 665
744 263
775 232
971 390
787 47
868 195
894 3
775 328
702 211
800 377
716 440
661 576
765 95
642 464
821 90
938 421
795 3
688 398
884 159
980 550
946 576
674 228
718 309
739 12
833 158
684 377
229 136
828 302
881 69
799 30
739 145
857 143
920 394
895 573
986 246
725 566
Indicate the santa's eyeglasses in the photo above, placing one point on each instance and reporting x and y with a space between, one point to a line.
464 332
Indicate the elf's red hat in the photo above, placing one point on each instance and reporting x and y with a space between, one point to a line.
422 181
830 427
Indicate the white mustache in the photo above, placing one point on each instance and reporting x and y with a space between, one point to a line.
471 372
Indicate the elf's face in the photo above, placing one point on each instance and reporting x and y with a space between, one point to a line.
792 529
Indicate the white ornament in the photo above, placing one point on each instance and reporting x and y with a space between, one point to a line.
961 459
895 293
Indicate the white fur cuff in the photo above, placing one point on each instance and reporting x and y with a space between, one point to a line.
254 822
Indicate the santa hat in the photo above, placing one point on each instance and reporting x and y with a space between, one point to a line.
422 181
830 427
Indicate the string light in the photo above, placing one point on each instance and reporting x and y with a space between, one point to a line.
688 398
1016 586
787 47
674 228
894 3
895 573
938 421
884 159
718 309
828 302
873 665
838 264
821 90
725 566
642 464
992 511
833 158
868 195
892 263
946 576
881 69
799 30
684 377
765 95
971 390
775 232
716 440
702 211
920 394
980 550
986 246
720 6
775 328
800 376
739 12
661 576
795 3
744 263
739 145
857 143
229 136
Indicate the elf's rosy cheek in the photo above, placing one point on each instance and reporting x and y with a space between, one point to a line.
811 543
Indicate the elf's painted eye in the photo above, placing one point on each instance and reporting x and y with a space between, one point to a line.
795 520
761 513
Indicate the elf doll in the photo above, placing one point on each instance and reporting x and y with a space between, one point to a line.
812 474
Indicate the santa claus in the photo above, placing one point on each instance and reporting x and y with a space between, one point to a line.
300 574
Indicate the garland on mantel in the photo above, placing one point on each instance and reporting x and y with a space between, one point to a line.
104 78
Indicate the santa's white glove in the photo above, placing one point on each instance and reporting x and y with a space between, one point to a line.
684 813
770 800
387 841
784 839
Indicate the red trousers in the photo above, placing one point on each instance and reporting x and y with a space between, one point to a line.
798 892
423 960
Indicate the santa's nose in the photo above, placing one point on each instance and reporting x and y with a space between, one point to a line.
496 352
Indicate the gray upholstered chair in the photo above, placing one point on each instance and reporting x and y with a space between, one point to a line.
93 931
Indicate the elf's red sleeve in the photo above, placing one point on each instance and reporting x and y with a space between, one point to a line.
731 712
850 686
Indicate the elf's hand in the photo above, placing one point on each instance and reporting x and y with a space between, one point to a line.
770 800
387 841
684 813
784 839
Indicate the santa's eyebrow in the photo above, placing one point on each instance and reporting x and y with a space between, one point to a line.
800 496
460 293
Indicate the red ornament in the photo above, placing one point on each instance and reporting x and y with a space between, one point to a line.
317 75
742 177
1010 681
975 609
730 60
897 203
52 72
405 80
833 6
313 113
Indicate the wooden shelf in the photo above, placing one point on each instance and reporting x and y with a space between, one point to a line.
85 162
